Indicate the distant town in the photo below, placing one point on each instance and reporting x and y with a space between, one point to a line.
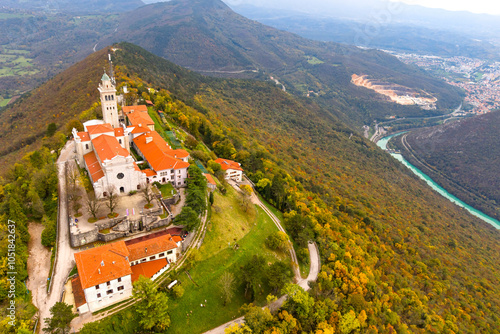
479 78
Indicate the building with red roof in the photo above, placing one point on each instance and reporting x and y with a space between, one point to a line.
103 148
106 273
232 169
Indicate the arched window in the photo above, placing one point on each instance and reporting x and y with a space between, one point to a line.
112 97
120 141
86 146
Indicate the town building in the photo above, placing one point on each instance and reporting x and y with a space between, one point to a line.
106 273
210 182
104 148
232 169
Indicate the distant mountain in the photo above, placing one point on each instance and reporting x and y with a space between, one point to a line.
208 37
71 6
395 35
463 157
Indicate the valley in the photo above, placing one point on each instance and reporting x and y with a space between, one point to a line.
229 180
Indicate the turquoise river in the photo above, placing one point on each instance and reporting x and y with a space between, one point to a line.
382 143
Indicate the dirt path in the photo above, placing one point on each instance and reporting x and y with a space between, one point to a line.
38 265
64 261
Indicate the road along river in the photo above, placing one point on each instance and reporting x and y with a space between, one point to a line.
382 143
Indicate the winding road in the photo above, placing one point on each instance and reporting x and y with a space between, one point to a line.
314 268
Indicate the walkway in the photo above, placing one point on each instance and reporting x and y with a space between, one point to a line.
304 283
63 262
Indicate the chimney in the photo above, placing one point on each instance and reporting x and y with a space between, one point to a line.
146 250
99 270
102 263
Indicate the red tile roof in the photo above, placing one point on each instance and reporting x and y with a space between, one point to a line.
93 166
150 247
108 147
210 179
137 117
99 129
140 129
136 167
148 269
129 109
155 152
176 238
102 264
118 132
78 292
228 164
179 154
149 172
84 136
149 103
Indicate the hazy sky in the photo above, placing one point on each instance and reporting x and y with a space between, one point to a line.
475 6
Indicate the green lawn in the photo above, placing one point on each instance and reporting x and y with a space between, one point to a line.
230 225
250 232
15 64
166 190
314 61
3 102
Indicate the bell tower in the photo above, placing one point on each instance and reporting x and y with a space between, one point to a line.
108 101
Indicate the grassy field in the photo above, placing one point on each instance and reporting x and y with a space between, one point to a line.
218 254
314 61
3 102
229 226
5 16
15 62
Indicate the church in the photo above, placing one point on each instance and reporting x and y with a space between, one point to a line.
103 148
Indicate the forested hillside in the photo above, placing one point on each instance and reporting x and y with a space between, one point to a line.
207 36
464 157
396 256
24 123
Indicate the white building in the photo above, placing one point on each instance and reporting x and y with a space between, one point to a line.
106 273
232 169
103 148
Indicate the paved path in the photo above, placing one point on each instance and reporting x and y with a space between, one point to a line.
256 200
314 268
304 283
64 257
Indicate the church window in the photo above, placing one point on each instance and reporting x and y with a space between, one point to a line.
112 97
120 141
120 176
86 146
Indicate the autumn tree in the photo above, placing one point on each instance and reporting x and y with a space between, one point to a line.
257 318
277 241
152 306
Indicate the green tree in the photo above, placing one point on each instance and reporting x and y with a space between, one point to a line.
178 291
277 241
60 320
278 274
152 306
253 273
74 124
188 217
298 301
51 129
226 286
211 198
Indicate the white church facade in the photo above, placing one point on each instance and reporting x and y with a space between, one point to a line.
103 148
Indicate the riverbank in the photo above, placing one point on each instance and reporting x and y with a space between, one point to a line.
382 143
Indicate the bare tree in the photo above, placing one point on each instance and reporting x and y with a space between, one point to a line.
112 199
93 204
226 285
147 192
72 188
